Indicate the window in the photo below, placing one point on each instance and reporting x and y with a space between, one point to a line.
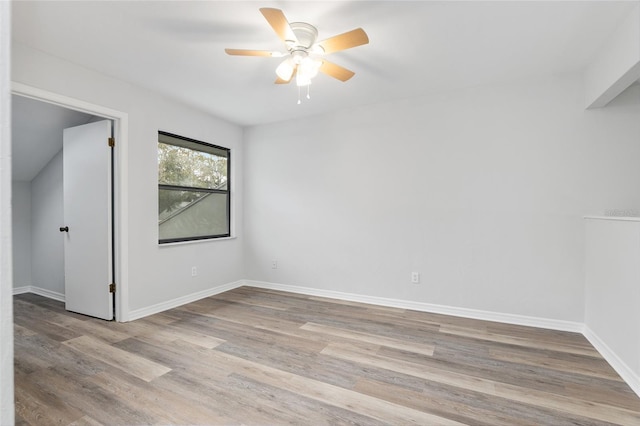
193 190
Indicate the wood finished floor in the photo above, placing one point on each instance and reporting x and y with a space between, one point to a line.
253 356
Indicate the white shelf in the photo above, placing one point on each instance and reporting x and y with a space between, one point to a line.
620 218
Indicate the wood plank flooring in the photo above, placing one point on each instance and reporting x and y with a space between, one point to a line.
260 357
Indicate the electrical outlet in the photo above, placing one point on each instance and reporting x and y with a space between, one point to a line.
274 264
415 277
194 271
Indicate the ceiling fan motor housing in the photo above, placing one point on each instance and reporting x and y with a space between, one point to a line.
305 33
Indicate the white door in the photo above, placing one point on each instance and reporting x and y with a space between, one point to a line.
87 215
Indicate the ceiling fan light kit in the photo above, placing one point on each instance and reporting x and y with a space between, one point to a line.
305 55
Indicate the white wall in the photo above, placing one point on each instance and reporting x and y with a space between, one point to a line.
156 274
21 222
482 191
6 299
47 216
612 316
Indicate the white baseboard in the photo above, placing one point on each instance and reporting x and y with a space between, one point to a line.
627 374
174 303
39 291
551 324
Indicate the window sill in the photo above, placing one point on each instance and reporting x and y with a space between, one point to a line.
210 240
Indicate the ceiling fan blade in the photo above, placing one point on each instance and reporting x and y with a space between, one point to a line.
344 41
245 52
336 71
279 23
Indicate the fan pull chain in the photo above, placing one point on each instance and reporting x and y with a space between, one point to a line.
299 101
308 89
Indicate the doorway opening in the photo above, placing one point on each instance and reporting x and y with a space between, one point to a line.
38 199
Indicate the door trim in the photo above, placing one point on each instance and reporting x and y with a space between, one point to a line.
121 225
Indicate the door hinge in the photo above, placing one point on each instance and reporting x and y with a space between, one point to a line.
112 288
112 142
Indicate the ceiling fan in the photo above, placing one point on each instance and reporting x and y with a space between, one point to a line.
304 56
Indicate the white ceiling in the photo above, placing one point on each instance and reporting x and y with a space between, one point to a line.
416 47
36 134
